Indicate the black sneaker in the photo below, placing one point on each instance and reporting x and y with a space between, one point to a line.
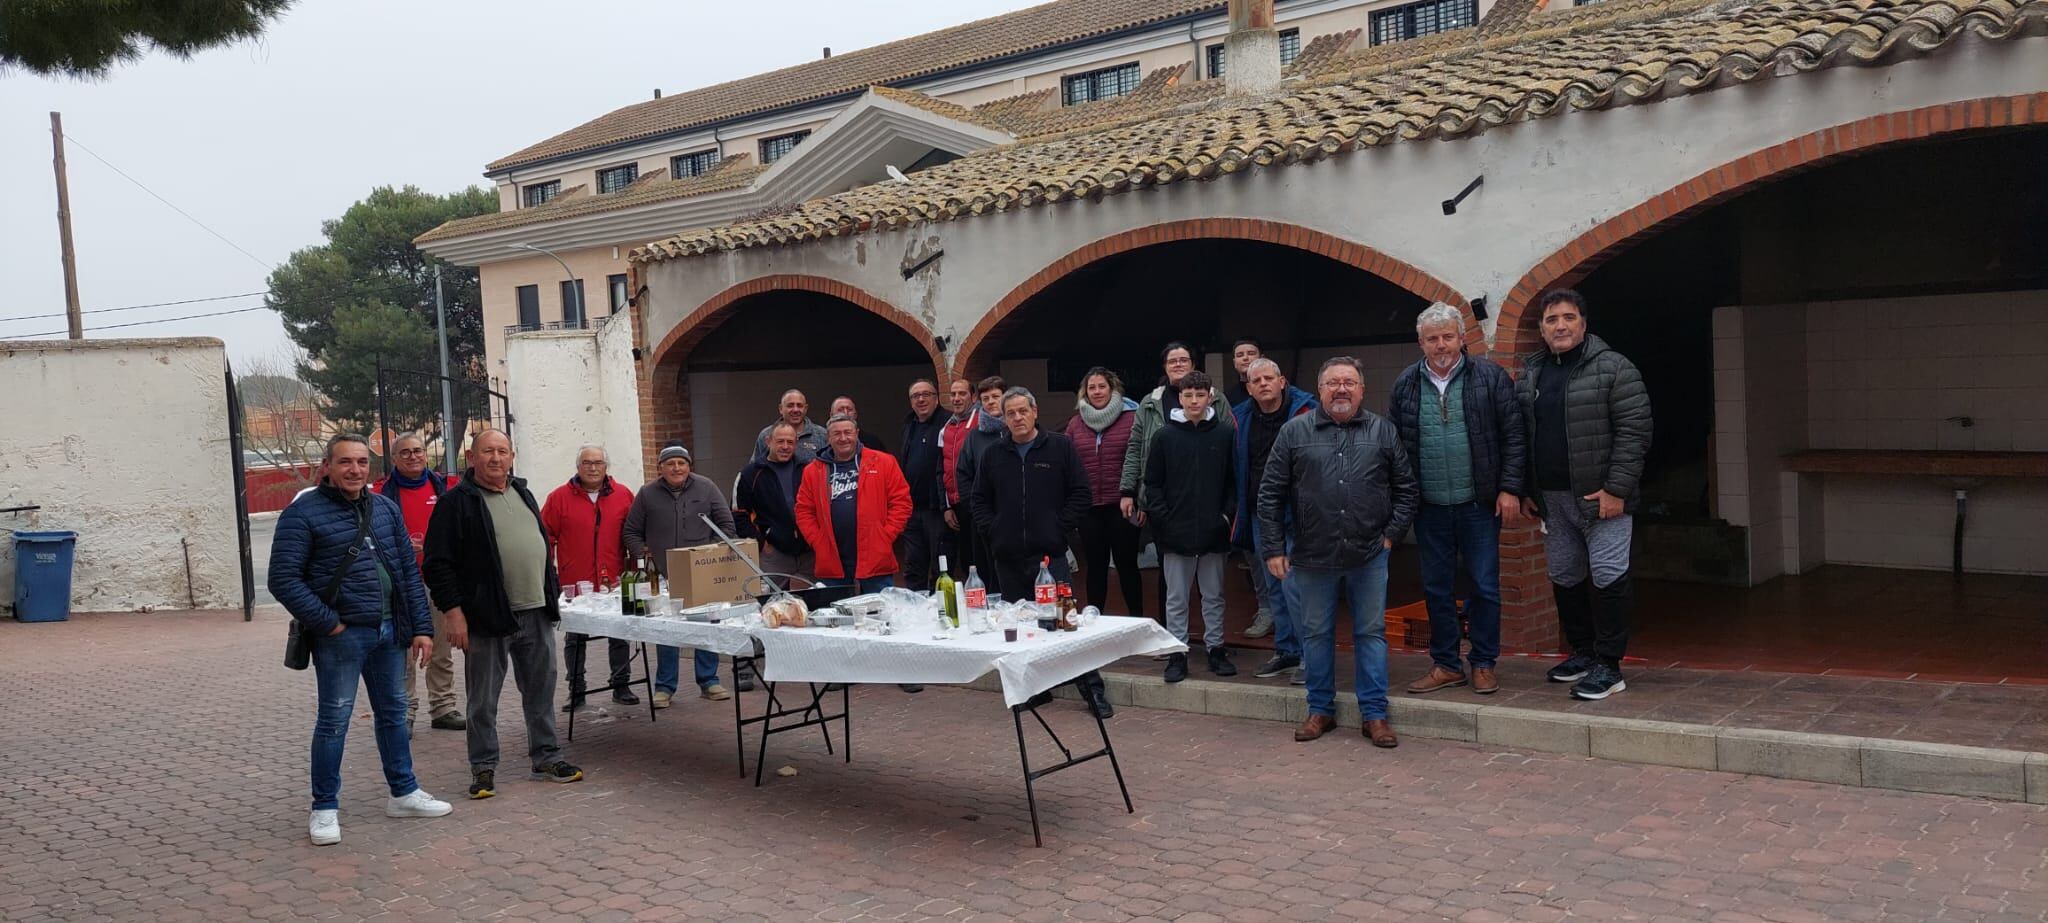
557 771
575 702
1280 663
1099 704
452 721
1600 682
483 784
1176 668
1573 669
625 697
1219 661
912 688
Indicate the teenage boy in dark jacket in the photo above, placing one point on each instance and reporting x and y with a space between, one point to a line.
491 574
1030 490
1188 493
376 619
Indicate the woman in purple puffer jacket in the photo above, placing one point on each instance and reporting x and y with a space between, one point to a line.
1101 429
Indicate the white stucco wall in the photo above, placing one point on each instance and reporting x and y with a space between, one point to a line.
125 442
1547 181
573 387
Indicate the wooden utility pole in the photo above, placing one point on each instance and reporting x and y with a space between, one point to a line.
71 312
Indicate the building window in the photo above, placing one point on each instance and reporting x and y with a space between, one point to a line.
1216 60
687 165
1290 46
1428 17
616 286
1100 84
617 178
529 307
572 304
540 193
772 149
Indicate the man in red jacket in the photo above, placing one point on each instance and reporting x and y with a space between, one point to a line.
416 488
584 517
850 507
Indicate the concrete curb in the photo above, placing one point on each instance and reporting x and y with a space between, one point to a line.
1903 765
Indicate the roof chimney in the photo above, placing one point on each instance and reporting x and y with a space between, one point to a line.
657 92
828 51
1251 52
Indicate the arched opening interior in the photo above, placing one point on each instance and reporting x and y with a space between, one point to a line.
1120 310
1818 350
731 380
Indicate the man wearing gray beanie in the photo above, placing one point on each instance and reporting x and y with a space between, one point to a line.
668 513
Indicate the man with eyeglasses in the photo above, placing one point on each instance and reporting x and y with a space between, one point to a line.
586 517
416 488
927 539
1342 474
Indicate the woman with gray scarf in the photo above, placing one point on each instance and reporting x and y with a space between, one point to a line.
1101 431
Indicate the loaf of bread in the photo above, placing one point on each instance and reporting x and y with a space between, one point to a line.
785 612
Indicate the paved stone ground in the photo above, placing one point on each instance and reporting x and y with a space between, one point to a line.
159 774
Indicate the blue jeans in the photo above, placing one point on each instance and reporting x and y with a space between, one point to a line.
1365 588
668 668
1282 598
376 659
1447 534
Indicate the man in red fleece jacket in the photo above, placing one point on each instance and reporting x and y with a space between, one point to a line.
584 517
850 507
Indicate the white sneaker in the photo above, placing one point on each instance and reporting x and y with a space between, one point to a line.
417 804
325 828
1262 625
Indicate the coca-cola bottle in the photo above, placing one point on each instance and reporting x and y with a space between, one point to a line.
1045 591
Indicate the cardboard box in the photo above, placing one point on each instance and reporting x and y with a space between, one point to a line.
712 573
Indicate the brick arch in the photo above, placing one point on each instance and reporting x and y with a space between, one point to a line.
664 404
968 359
1515 331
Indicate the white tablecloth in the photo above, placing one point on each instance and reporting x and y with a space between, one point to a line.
710 636
839 655
1027 667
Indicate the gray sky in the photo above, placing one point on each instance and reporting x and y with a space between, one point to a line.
263 140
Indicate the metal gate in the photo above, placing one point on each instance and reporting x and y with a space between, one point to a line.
236 463
409 400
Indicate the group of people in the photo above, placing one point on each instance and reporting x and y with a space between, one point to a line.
1313 490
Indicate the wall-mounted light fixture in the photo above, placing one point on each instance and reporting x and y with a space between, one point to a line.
1451 204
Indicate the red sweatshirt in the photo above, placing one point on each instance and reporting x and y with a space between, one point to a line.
417 503
586 533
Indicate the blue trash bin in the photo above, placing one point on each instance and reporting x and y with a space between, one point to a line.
42 575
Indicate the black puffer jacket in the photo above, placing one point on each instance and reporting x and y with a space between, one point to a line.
1349 484
1190 486
1607 421
462 566
1493 425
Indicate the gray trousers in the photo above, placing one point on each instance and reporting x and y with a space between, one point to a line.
531 652
1207 571
1578 542
776 561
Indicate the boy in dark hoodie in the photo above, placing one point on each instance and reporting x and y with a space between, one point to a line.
1189 494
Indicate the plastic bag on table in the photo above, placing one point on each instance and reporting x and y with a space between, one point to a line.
785 610
909 610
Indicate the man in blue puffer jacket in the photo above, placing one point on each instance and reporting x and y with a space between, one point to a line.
375 617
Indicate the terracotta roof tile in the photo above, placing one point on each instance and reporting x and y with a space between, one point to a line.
1049 25
1443 86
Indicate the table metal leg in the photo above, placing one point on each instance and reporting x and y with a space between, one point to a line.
739 727
1068 761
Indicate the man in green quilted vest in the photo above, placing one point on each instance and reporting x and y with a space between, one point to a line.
1464 434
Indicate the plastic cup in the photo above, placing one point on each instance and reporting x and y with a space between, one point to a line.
1009 635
